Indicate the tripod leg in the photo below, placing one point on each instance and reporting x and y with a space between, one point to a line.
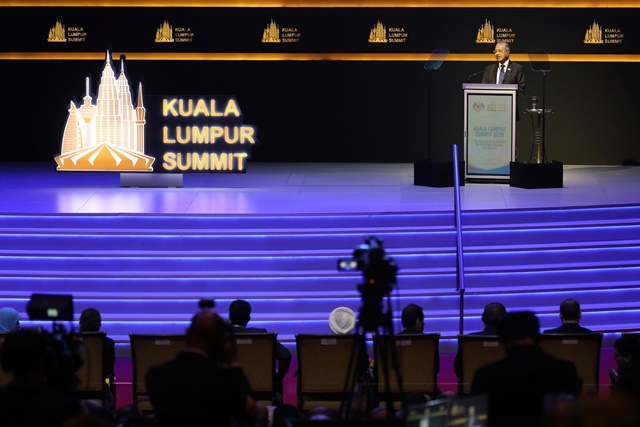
352 386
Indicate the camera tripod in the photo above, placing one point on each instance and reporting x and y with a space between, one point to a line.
358 381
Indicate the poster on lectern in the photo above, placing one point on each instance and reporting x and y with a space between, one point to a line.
489 131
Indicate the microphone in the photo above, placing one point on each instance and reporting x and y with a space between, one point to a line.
473 75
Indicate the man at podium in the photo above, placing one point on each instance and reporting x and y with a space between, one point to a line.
504 71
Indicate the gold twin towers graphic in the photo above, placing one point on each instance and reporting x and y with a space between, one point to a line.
107 135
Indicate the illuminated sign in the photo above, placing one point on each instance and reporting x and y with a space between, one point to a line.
594 35
200 134
107 135
61 34
273 34
165 33
189 133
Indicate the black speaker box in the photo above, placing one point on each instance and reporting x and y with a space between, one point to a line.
50 307
436 174
536 175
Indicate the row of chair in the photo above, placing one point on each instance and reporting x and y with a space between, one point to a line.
328 363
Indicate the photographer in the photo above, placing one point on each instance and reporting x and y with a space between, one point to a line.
31 399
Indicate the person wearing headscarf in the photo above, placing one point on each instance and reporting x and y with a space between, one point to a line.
342 320
9 320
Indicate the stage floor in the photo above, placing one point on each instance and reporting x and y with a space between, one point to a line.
298 188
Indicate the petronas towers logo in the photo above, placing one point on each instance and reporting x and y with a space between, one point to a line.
271 34
593 34
486 33
378 33
164 33
57 33
107 135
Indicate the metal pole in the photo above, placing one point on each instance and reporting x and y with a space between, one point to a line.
459 260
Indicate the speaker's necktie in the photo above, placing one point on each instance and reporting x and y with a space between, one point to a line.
501 75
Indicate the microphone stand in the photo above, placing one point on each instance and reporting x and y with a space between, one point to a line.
544 118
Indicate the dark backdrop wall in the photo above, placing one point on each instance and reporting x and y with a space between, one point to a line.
331 96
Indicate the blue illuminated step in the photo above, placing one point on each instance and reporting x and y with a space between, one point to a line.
146 273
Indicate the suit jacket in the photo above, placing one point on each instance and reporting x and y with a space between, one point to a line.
283 356
192 390
513 75
569 328
108 357
518 384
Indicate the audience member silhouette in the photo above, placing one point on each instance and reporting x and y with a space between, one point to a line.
31 399
239 316
203 385
627 354
412 318
492 315
342 321
91 321
517 385
9 320
570 315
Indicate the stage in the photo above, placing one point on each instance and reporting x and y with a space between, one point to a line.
64 231
298 188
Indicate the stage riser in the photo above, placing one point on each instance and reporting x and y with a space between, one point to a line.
321 283
222 223
147 273
266 265
339 245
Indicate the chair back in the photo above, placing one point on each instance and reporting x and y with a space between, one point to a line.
581 349
147 351
256 355
91 380
5 377
416 360
326 364
476 351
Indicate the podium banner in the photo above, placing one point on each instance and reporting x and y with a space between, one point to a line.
489 131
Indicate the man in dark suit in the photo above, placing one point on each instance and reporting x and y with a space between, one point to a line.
492 315
239 316
413 323
570 315
627 378
504 71
518 385
91 321
203 385
412 318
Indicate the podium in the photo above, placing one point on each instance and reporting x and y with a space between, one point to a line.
489 131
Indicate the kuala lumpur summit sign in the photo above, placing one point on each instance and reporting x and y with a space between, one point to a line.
157 133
